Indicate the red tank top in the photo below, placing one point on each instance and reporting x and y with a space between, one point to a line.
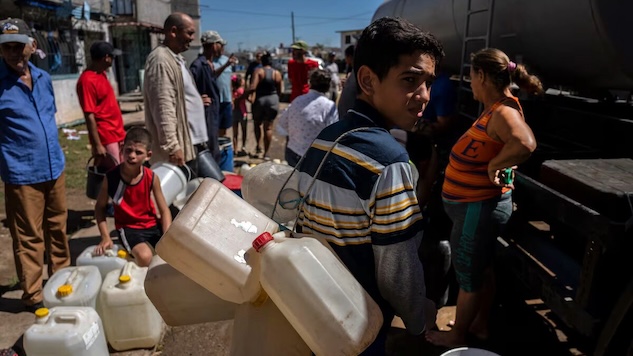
133 205
466 177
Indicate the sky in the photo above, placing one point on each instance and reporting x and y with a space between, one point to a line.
246 24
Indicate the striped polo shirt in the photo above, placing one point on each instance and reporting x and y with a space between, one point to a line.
363 195
466 177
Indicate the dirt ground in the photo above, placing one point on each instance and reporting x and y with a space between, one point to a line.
519 327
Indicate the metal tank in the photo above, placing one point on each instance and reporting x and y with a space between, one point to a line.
581 44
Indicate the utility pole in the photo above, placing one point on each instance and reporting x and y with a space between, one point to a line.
292 17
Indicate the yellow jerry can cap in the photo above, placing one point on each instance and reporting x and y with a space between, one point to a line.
121 254
64 290
41 312
125 278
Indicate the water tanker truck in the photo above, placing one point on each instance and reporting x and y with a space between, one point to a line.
570 240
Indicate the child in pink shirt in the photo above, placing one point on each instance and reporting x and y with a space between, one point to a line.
239 112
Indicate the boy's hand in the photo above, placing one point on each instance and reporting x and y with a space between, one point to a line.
103 246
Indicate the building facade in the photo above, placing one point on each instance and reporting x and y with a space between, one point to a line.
348 38
64 31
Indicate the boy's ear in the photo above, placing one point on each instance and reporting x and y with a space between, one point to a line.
149 155
366 80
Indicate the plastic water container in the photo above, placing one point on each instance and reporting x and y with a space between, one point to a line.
73 286
172 180
210 241
262 184
318 295
468 351
262 330
112 259
66 331
181 301
191 187
129 318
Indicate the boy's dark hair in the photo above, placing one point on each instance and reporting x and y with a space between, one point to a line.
320 80
383 42
139 135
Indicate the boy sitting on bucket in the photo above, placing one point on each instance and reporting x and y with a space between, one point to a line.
130 185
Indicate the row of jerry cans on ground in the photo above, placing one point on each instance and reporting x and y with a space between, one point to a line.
289 296
224 244
103 298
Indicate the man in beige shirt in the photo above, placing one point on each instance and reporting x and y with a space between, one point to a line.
175 121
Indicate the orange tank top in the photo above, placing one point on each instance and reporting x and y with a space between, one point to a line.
466 178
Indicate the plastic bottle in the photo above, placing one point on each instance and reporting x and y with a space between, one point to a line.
209 241
261 329
66 331
112 259
181 301
73 286
129 318
318 295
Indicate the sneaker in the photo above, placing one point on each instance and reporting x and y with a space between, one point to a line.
242 152
258 150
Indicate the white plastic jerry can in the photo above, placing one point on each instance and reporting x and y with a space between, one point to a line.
73 286
113 259
130 319
260 329
181 301
318 295
210 242
66 331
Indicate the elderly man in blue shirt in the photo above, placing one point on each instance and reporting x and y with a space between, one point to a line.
31 163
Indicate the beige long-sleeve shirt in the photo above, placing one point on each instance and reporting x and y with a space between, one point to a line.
165 110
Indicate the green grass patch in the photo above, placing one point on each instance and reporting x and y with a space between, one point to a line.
77 154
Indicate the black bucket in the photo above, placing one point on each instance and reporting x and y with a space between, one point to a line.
208 167
95 176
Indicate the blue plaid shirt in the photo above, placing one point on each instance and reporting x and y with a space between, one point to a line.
29 146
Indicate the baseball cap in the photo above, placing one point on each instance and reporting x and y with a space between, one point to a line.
211 37
300 45
101 49
14 30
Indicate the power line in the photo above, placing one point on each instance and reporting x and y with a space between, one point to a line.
279 27
206 8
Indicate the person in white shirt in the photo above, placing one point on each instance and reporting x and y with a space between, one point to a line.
335 84
306 116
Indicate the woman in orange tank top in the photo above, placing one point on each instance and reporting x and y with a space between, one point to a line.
475 198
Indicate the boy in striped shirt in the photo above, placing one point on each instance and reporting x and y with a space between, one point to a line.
363 201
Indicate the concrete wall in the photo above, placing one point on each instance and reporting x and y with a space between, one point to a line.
68 109
152 11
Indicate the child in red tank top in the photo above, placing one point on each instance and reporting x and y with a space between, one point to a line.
131 185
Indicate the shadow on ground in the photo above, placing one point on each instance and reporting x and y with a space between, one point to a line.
79 219
10 305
